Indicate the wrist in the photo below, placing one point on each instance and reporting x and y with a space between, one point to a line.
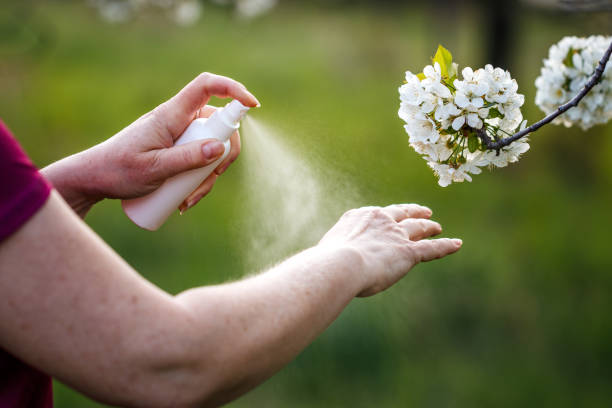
349 264
74 177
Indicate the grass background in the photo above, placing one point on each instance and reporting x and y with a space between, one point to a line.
520 317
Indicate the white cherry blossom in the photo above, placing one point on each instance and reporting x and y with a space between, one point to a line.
183 12
567 69
442 119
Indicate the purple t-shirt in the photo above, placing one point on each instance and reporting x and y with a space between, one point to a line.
22 192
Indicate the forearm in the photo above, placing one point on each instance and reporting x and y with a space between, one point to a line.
252 328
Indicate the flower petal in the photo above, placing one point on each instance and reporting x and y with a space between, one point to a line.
467 73
477 102
458 122
461 100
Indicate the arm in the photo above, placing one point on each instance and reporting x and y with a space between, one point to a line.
138 159
76 310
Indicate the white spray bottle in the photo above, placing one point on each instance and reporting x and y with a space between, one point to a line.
152 210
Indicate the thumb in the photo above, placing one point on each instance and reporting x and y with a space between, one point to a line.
188 156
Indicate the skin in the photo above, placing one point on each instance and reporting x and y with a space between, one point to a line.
73 308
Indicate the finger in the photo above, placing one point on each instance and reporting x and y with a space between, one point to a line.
402 211
419 228
205 111
199 192
232 156
197 93
188 156
180 109
428 250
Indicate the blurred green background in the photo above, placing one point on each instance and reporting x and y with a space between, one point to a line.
519 317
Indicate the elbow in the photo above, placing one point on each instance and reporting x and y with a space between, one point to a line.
179 363
178 369
157 377
158 384
204 379
185 387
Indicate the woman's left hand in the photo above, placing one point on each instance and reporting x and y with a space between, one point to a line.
142 156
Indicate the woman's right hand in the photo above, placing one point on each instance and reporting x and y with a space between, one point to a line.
139 158
388 242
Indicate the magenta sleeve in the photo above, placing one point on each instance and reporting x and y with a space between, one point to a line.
23 190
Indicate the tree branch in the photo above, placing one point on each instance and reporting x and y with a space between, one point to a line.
595 78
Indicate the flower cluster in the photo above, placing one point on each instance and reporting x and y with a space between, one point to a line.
570 64
183 12
253 8
447 117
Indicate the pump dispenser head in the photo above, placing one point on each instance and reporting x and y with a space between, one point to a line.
232 113
223 122
235 110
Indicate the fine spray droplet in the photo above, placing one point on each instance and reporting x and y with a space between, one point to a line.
290 202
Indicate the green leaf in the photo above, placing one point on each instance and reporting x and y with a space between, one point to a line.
494 113
421 76
452 72
445 59
567 61
473 144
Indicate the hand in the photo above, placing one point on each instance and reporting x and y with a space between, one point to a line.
389 242
141 157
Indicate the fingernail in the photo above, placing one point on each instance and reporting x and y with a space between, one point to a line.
212 149
256 100
183 207
191 203
222 169
458 241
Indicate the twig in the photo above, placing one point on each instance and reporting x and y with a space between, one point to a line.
595 78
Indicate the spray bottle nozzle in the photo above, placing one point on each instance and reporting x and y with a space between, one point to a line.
233 112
